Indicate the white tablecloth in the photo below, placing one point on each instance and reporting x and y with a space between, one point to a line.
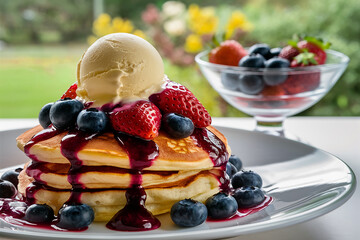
337 135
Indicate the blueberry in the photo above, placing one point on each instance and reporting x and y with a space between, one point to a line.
177 125
92 120
7 189
262 49
251 84
246 179
75 217
230 169
221 206
252 61
248 196
235 160
63 114
188 213
44 116
278 63
11 176
39 213
275 51
230 80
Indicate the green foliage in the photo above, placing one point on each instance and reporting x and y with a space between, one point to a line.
39 21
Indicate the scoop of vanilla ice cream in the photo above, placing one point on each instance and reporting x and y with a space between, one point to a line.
119 67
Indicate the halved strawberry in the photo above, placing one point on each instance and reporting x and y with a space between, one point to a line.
228 53
141 119
71 92
176 98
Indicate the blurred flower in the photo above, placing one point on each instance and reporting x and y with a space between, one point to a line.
202 20
91 39
173 8
120 25
179 33
175 27
237 21
193 43
151 14
139 33
103 25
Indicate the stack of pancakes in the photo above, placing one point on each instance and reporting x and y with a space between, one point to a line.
182 170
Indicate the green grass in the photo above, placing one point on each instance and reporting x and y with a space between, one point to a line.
32 76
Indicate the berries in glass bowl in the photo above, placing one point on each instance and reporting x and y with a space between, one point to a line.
277 84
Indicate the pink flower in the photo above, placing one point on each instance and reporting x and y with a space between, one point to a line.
151 14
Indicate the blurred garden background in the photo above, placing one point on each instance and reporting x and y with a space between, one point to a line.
41 42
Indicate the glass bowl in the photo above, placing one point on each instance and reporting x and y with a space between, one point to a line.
272 95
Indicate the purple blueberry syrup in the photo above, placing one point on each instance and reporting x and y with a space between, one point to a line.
217 151
134 216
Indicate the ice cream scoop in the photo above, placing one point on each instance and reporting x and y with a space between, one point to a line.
119 67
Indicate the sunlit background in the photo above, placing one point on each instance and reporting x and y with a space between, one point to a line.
41 42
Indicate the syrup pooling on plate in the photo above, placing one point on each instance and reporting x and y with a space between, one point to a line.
134 216
243 212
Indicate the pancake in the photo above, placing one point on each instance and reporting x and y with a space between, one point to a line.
183 169
104 177
106 203
104 150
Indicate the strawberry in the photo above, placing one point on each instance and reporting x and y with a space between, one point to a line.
316 46
71 92
176 98
273 91
304 59
141 119
228 53
289 52
298 83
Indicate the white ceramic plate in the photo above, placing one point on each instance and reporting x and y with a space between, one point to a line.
305 183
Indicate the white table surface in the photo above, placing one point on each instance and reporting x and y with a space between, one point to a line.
338 135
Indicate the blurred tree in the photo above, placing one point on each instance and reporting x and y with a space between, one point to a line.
32 20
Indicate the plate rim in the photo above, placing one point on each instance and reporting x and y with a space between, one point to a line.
228 231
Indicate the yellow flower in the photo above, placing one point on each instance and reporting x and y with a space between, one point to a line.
103 25
91 39
120 25
193 43
202 20
139 33
237 20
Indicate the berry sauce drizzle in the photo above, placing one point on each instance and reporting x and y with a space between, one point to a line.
43 135
210 143
71 144
134 216
217 151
